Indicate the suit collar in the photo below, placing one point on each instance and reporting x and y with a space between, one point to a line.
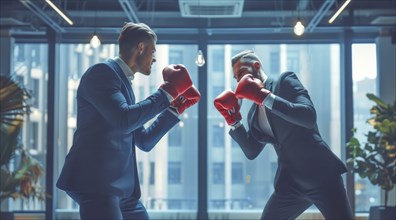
121 74
268 84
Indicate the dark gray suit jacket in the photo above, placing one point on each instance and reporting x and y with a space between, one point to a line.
304 159
102 159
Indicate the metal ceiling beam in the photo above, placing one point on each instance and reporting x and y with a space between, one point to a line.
302 5
319 15
130 10
42 15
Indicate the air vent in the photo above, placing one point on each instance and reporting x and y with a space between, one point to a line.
384 20
211 8
11 22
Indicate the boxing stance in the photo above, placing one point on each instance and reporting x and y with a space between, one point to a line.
283 115
100 171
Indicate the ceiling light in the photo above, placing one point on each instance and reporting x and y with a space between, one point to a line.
339 11
200 61
95 42
59 12
299 28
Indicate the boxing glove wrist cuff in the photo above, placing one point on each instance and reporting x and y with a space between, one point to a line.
236 125
173 110
261 95
168 96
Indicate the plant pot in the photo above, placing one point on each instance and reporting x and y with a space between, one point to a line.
6 215
382 212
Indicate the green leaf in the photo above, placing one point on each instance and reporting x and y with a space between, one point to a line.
377 100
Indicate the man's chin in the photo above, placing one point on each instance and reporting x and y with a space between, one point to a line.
146 73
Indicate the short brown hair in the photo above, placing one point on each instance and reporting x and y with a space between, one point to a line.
247 55
131 35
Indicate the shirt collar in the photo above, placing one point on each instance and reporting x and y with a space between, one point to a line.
263 76
125 68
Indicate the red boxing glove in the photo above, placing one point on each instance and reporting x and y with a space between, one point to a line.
177 79
251 88
227 104
186 100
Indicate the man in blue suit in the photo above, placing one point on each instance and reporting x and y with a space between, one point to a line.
283 115
100 171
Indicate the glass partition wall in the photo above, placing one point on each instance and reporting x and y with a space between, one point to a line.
169 173
364 76
30 68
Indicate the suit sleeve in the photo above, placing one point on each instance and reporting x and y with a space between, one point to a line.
102 88
296 107
249 145
147 138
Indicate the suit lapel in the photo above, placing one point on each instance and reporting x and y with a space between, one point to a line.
121 74
269 86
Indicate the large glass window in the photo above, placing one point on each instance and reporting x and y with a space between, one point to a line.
30 67
168 174
236 183
364 73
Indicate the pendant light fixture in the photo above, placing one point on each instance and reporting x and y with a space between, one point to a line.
95 42
299 27
200 60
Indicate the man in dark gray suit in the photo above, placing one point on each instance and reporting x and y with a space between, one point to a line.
284 116
100 171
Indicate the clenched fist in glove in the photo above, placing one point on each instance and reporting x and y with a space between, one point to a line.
177 79
227 104
251 88
186 100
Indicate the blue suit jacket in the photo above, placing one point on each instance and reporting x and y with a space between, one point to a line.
304 159
102 159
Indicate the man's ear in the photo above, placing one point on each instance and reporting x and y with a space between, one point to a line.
256 65
140 48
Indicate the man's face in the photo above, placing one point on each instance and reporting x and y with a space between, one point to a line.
241 68
146 59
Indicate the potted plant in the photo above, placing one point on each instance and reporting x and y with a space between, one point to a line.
375 159
21 182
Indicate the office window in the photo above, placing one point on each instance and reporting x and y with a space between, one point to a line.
34 136
175 56
174 173
218 173
35 92
152 173
237 173
218 136
218 56
274 63
175 136
234 144
141 172
31 69
141 93
252 187
293 62
174 204
364 73
217 90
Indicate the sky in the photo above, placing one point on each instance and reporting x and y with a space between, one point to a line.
364 61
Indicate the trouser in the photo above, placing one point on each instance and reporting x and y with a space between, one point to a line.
108 207
288 203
